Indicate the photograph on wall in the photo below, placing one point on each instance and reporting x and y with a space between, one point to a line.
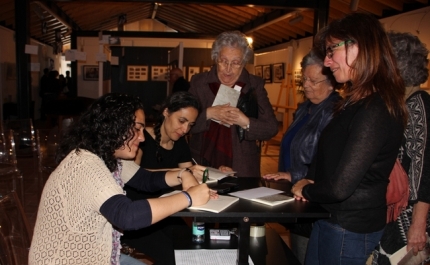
298 79
192 70
137 73
90 72
267 73
278 72
159 73
259 71
206 69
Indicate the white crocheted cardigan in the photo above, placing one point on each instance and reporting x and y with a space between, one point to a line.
69 227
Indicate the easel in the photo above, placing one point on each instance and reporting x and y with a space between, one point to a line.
289 86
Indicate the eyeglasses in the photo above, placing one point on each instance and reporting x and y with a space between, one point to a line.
314 83
225 64
330 49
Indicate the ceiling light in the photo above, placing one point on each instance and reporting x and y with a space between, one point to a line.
250 40
295 20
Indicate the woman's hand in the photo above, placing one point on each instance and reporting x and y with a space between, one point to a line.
198 172
225 169
298 187
278 176
200 194
240 118
222 113
188 180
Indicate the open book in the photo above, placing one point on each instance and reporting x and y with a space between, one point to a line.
263 195
215 174
214 206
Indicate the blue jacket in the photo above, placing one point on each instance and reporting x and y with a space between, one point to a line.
304 144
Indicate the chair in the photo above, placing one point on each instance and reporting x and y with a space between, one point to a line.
15 238
11 178
47 145
24 136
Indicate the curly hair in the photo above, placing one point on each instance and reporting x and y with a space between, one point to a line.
103 128
234 39
411 55
173 103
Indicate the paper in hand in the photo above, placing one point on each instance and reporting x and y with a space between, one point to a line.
226 95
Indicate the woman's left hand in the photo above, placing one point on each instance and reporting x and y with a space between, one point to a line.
298 187
240 118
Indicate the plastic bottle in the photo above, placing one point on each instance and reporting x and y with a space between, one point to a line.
198 232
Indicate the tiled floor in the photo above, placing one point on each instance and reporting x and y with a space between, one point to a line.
28 166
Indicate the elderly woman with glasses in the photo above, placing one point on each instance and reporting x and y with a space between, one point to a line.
226 135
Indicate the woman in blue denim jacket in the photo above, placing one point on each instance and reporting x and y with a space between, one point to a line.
299 143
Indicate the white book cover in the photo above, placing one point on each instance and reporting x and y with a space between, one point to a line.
226 95
263 195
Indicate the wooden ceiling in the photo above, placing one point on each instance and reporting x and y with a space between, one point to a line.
267 21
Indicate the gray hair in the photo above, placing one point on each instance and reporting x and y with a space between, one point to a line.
234 39
411 55
314 57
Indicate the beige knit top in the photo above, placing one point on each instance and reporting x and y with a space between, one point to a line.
69 227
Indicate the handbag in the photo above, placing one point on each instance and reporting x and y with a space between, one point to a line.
397 192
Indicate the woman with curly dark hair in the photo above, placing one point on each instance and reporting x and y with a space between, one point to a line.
83 207
411 226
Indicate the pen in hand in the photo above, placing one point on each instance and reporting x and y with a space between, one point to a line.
205 172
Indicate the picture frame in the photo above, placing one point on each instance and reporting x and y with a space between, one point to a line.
278 72
192 70
267 73
159 73
206 69
90 72
259 71
137 73
298 79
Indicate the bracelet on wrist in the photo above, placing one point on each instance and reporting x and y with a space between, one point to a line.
179 177
190 201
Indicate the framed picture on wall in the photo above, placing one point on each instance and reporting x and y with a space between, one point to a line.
192 70
278 72
90 72
137 73
298 79
159 73
259 71
206 69
267 73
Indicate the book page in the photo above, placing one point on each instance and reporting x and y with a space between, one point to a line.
214 206
255 193
226 95
215 174
274 199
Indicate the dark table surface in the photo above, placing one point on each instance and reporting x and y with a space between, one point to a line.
245 212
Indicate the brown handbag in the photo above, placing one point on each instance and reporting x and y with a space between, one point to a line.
397 192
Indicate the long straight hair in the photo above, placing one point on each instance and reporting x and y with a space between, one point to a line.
375 68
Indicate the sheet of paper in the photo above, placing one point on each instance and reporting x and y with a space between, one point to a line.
208 257
34 67
101 57
80 56
255 193
70 55
31 49
226 95
215 174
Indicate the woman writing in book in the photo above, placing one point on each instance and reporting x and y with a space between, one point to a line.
164 148
299 144
233 140
411 226
83 208
357 149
